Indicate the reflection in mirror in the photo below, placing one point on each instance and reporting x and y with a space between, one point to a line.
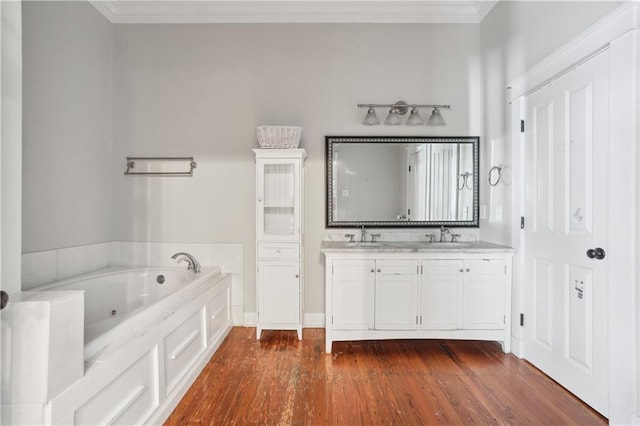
400 182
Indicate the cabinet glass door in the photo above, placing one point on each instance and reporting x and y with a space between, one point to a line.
280 186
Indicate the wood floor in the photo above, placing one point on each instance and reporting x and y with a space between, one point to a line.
281 381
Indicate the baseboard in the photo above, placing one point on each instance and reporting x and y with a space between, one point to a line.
250 319
237 315
311 320
517 347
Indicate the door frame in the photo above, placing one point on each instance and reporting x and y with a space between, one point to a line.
619 32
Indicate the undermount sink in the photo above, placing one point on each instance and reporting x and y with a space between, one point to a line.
449 244
365 244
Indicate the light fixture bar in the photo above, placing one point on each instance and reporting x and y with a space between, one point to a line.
405 106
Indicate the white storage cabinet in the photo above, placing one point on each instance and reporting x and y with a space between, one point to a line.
279 239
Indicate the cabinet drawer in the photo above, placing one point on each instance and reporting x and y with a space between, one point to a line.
182 347
278 251
128 399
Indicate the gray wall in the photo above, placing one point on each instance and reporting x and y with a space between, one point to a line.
66 192
202 89
514 37
11 149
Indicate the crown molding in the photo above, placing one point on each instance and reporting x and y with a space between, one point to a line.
293 11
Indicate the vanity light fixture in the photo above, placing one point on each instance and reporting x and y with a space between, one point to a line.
401 108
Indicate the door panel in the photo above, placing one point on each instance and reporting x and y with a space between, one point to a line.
396 301
484 292
279 292
565 176
353 280
441 294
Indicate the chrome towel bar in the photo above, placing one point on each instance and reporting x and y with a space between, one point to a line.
157 166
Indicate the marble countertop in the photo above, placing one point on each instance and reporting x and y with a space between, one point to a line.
413 247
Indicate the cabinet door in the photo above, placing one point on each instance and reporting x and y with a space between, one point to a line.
278 199
353 282
441 294
484 294
279 292
396 305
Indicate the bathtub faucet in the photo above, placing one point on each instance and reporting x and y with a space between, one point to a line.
193 264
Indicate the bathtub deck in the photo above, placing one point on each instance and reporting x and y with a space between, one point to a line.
280 380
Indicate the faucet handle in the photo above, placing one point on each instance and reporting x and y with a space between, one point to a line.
373 237
454 237
351 237
430 237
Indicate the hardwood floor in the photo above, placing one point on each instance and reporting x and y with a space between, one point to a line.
281 381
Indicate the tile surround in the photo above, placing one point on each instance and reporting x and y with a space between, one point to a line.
45 267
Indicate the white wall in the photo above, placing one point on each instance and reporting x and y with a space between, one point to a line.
11 150
67 119
202 89
515 36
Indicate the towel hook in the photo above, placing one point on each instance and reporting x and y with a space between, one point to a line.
498 174
463 181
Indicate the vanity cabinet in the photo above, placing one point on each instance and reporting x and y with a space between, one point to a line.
279 239
353 297
374 294
463 294
436 294
396 291
441 294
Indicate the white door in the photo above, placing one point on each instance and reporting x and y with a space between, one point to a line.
396 295
566 218
416 184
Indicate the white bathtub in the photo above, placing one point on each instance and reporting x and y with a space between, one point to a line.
145 342
119 301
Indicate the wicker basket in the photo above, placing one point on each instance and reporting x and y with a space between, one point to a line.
278 136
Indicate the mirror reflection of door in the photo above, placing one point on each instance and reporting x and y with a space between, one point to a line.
465 181
416 182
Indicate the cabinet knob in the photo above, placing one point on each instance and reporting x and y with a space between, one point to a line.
468 269
378 270
461 270
373 270
297 275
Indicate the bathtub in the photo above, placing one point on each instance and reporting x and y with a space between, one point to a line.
148 332
119 301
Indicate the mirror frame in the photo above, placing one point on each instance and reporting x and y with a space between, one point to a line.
330 140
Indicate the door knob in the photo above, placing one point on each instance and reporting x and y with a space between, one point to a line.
597 253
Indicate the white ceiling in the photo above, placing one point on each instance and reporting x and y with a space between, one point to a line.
291 11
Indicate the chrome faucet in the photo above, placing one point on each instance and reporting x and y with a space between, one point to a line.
192 263
363 234
443 231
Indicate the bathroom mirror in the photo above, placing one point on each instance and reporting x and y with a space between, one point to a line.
398 182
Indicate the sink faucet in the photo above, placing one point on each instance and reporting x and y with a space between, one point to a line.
443 231
363 234
193 264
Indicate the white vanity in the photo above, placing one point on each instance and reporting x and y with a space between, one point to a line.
417 290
